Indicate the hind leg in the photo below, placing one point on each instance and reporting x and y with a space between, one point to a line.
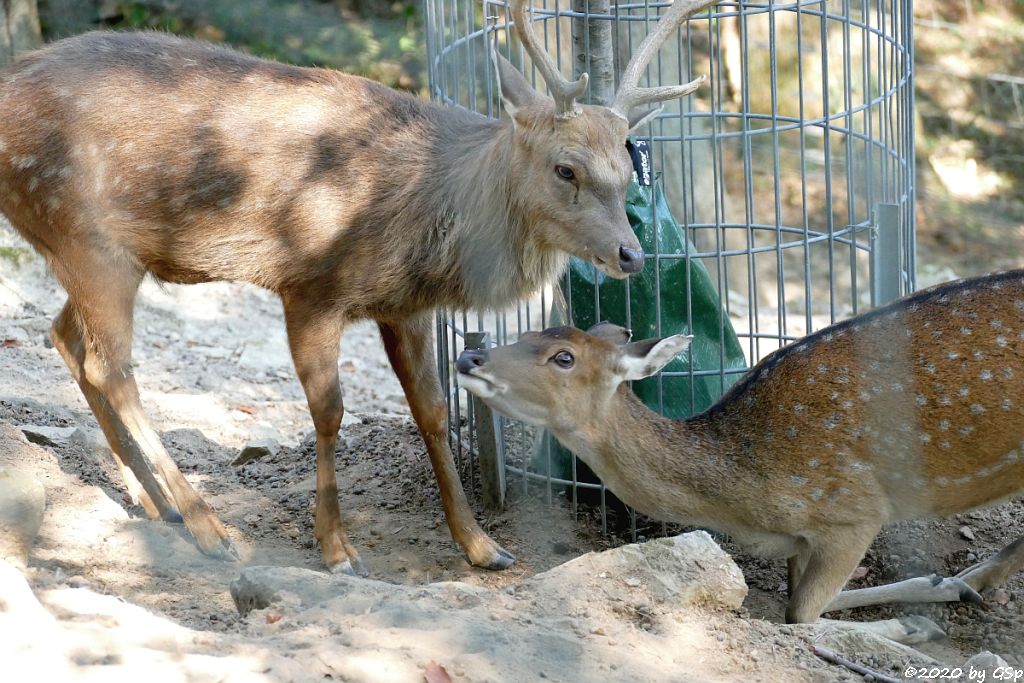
95 333
68 340
994 571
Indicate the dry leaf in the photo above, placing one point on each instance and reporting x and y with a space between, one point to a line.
10 342
859 573
436 673
247 409
273 618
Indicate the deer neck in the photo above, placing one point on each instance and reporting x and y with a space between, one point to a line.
671 470
491 250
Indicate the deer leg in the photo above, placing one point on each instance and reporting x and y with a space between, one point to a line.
994 571
101 294
911 630
68 340
409 347
314 344
919 589
828 567
964 587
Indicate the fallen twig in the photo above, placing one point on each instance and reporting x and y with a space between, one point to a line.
832 657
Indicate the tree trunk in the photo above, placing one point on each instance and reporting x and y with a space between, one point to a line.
19 28
593 51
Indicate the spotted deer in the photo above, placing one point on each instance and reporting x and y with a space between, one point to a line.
913 410
126 154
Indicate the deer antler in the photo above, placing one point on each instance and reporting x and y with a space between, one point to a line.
563 90
630 95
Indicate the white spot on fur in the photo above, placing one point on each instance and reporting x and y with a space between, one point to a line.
1007 404
945 400
942 481
944 444
944 425
925 437
965 430
812 463
816 494
1007 373
1001 341
978 355
985 375
964 390
921 400
977 409
966 331
798 480
952 355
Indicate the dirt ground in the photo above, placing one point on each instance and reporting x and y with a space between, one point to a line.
215 375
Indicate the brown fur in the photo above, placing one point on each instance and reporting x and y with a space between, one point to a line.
913 410
123 154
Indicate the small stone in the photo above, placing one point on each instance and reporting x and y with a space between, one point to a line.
1001 596
632 581
599 631
250 453
859 573
46 436
967 533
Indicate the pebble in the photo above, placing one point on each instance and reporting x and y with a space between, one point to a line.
967 533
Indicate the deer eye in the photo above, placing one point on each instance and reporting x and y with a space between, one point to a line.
565 173
563 359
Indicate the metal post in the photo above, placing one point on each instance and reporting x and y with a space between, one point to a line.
490 447
592 49
886 268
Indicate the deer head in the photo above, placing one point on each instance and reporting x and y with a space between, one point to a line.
575 154
553 378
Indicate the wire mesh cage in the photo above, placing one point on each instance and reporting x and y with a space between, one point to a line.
791 172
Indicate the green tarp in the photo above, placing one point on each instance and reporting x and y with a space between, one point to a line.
689 304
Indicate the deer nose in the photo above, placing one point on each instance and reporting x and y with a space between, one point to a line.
631 260
469 359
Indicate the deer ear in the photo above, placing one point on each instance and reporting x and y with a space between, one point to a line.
644 358
611 332
641 117
516 91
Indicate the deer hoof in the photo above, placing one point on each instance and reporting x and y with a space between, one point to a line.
500 559
919 629
350 567
173 517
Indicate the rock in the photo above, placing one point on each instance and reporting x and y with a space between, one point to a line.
687 570
253 451
987 662
22 501
46 436
91 441
259 587
967 533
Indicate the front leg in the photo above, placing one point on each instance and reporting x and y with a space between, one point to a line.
314 338
409 345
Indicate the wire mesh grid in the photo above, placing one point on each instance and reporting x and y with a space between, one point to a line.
791 169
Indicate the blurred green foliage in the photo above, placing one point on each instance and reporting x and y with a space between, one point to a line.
379 39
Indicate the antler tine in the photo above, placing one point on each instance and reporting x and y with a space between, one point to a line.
629 94
563 90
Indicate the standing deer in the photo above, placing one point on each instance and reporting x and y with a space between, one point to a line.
123 154
912 410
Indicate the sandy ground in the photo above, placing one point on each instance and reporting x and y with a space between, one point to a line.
215 375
